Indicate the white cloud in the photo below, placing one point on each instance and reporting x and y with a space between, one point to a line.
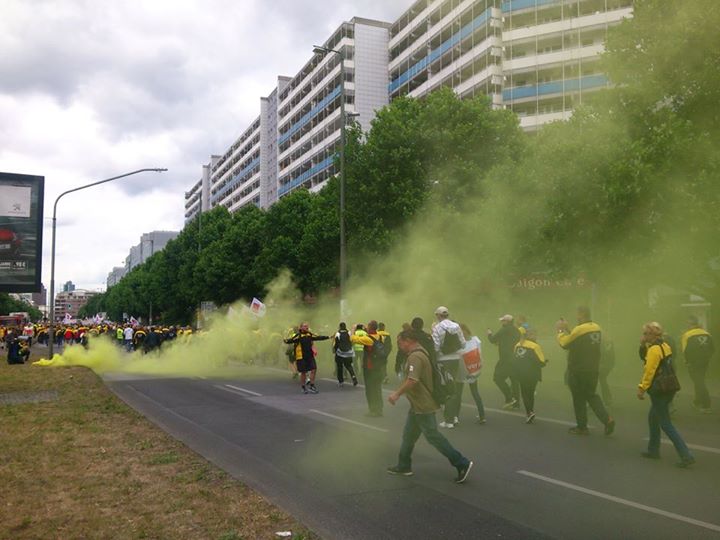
95 89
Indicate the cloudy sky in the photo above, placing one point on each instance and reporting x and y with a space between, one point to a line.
92 89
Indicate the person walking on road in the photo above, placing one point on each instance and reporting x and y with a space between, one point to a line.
421 420
528 363
373 365
658 357
584 346
448 341
469 371
506 338
305 356
698 348
344 354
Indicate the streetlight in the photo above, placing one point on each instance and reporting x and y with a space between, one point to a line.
317 49
51 331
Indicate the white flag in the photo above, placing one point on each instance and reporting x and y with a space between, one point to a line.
134 321
257 308
68 318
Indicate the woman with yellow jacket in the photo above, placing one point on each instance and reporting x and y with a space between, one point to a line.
528 360
657 355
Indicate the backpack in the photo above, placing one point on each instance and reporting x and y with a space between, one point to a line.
451 343
443 387
379 350
343 341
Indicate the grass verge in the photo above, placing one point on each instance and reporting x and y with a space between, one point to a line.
88 466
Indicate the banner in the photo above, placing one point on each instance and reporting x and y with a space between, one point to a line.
21 227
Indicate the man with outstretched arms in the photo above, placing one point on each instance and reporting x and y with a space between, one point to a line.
584 346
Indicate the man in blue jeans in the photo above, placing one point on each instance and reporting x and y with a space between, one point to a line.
417 387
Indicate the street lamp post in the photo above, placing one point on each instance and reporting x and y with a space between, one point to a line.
51 330
343 139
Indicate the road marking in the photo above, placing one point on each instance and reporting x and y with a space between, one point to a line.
229 386
349 421
626 502
693 446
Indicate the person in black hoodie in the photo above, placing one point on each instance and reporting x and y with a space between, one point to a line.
305 357
344 354
506 338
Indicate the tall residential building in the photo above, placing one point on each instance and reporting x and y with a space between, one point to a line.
551 55
68 286
115 275
150 243
539 58
309 115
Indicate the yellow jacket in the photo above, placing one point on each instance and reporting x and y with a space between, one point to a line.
653 357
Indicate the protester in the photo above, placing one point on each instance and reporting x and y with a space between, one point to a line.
359 348
657 359
373 366
528 363
128 337
698 348
469 371
584 348
400 355
387 343
448 341
305 356
344 354
506 338
421 419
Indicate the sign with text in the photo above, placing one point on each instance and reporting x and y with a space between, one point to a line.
21 221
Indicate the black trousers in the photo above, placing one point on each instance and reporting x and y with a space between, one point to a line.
342 363
697 370
527 390
504 371
583 387
373 389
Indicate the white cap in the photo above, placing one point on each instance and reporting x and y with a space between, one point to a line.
506 318
442 310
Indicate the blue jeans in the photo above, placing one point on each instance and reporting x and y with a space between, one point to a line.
659 417
426 424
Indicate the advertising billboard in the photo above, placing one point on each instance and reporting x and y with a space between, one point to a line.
21 227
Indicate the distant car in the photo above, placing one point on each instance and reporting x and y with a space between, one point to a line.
9 243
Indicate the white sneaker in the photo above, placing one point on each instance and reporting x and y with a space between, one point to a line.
446 425
456 421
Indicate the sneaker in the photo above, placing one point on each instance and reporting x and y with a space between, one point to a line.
684 463
579 431
398 471
509 404
463 473
446 425
650 455
305 390
609 427
313 388
456 420
530 418
480 420
340 385
355 381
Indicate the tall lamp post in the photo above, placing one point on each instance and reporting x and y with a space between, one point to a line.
51 331
317 49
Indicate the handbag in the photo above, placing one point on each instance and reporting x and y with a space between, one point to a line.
665 380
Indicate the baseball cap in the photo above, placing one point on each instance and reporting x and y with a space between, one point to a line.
506 318
441 310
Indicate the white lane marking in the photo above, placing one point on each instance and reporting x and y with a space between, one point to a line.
234 388
626 502
693 446
349 421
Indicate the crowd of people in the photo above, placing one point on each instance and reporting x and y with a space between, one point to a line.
452 353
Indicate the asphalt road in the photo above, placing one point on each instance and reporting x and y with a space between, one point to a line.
321 459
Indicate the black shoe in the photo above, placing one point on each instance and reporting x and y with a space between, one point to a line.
355 381
684 463
650 455
305 390
398 471
530 418
463 473
610 427
313 388
579 431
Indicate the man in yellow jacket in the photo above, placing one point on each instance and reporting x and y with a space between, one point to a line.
584 344
698 348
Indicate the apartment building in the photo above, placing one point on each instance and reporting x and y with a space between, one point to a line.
551 53
539 58
309 115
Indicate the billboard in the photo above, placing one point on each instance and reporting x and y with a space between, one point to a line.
21 227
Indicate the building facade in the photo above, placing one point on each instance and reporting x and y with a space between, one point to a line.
150 243
71 302
539 58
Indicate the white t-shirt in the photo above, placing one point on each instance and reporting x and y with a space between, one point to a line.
128 333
